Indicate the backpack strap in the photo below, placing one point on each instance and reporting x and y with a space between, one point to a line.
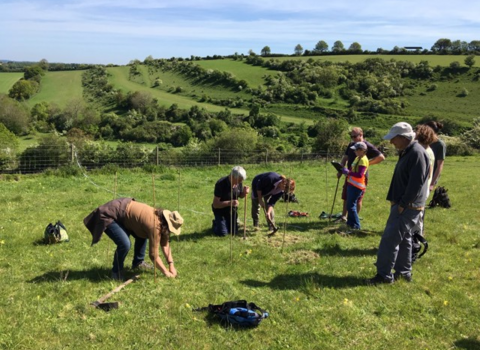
422 240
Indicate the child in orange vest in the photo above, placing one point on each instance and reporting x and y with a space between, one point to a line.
356 183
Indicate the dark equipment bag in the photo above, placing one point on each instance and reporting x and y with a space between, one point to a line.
237 313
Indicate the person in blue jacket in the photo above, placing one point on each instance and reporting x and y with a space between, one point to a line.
267 189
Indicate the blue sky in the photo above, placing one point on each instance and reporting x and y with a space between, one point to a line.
118 31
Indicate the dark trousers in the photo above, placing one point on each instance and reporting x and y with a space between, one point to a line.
223 224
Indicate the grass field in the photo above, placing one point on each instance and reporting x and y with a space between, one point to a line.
253 75
7 80
434 60
310 281
446 101
59 88
119 78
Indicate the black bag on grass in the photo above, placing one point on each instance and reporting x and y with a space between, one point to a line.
237 313
440 198
55 233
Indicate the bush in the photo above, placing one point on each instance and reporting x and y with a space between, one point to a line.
457 147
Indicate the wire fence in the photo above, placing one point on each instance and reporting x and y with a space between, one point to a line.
41 158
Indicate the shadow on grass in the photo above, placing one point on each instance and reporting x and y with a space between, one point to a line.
298 281
337 250
93 275
468 344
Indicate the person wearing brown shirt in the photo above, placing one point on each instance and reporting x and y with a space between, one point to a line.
125 217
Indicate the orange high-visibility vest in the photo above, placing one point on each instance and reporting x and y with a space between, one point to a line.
358 182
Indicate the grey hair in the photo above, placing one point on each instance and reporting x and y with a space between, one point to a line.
237 172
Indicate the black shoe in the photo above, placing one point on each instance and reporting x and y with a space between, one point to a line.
378 280
398 276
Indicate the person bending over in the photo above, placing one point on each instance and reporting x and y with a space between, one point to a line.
125 217
267 189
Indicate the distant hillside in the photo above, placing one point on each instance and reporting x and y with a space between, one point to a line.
451 96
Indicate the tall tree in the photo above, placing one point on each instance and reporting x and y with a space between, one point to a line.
355 48
474 46
338 46
321 46
298 50
266 51
442 45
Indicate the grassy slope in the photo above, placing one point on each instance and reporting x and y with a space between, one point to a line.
253 75
119 78
7 80
59 88
313 288
445 101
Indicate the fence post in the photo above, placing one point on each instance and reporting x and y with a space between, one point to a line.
266 156
72 153
156 150
219 156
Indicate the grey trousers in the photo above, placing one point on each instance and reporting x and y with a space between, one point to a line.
395 250
256 211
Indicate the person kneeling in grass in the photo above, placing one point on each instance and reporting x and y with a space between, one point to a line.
356 183
125 217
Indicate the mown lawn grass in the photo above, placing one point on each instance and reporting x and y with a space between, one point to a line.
59 88
311 283
7 80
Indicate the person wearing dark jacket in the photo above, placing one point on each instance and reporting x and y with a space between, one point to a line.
267 189
228 190
125 217
407 195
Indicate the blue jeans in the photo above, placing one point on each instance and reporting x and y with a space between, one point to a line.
353 194
222 222
121 237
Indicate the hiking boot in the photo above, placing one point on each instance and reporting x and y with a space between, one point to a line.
143 266
117 276
397 276
378 280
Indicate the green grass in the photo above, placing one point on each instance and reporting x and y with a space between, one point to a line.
59 88
7 80
253 75
434 60
119 78
313 287
445 101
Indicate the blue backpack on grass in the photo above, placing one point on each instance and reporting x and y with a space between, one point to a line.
237 313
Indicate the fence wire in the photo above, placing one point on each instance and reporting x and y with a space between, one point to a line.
40 158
